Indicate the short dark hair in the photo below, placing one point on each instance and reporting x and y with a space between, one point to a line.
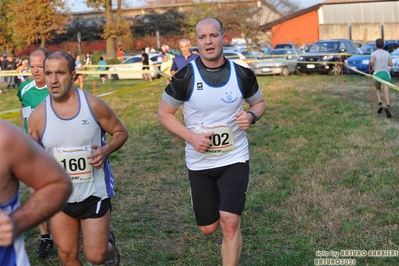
379 43
65 55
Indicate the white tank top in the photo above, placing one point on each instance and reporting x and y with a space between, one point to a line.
213 109
69 141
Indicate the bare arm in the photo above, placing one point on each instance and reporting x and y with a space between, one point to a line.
112 125
26 161
168 119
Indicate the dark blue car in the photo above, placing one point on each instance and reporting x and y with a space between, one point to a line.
361 61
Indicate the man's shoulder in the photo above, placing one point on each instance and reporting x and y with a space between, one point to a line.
27 84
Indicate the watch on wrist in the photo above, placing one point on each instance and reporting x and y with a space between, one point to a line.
254 117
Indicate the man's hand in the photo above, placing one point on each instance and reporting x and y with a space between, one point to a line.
201 142
6 230
97 158
243 119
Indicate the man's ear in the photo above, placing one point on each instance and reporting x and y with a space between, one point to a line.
73 75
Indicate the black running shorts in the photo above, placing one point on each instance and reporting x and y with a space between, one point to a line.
92 207
219 189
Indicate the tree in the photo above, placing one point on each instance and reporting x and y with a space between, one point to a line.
35 21
113 29
5 30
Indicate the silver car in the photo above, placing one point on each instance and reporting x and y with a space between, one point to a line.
395 61
277 62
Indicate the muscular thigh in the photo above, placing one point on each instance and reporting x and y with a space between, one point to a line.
95 234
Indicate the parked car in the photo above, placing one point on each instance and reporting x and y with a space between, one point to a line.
395 61
239 58
307 46
277 62
287 45
361 60
131 68
325 56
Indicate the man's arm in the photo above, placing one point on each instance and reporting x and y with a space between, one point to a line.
167 118
111 124
31 164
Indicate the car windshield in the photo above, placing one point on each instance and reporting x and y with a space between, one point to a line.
367 48
325 47
396 52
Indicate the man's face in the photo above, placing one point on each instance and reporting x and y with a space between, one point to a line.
209 40
36 66
184 48
58 79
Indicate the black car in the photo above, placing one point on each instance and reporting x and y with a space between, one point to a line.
325 57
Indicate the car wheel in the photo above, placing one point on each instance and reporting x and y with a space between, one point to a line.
285 72
336 70
299 73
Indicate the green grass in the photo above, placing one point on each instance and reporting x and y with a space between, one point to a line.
324 171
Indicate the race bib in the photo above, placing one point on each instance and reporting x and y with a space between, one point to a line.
75 162
222 140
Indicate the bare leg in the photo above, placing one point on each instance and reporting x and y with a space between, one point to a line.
66 230
232 238
387 94
95 234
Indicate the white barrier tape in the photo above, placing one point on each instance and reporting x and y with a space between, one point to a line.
390 85
15 112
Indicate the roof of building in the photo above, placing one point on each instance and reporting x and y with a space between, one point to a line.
329 2
316 7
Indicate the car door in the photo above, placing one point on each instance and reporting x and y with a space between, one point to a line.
130 67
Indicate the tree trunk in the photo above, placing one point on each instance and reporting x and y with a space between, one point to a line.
109 24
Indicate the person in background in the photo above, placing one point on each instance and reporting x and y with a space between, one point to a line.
159 61
211 90
146 65
23 160
72 125
23 68
184 58
165 67
10 65
79 67
103 66
195 51
380 62
2 67
31 94
120 53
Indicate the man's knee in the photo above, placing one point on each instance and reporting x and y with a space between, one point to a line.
209 229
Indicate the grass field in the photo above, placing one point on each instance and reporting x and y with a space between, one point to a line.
324 177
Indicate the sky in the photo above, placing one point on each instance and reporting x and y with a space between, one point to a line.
80 6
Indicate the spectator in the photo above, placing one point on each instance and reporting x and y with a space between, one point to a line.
102 63
185 57
79 76
10 65
120 53
160 56
146 65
